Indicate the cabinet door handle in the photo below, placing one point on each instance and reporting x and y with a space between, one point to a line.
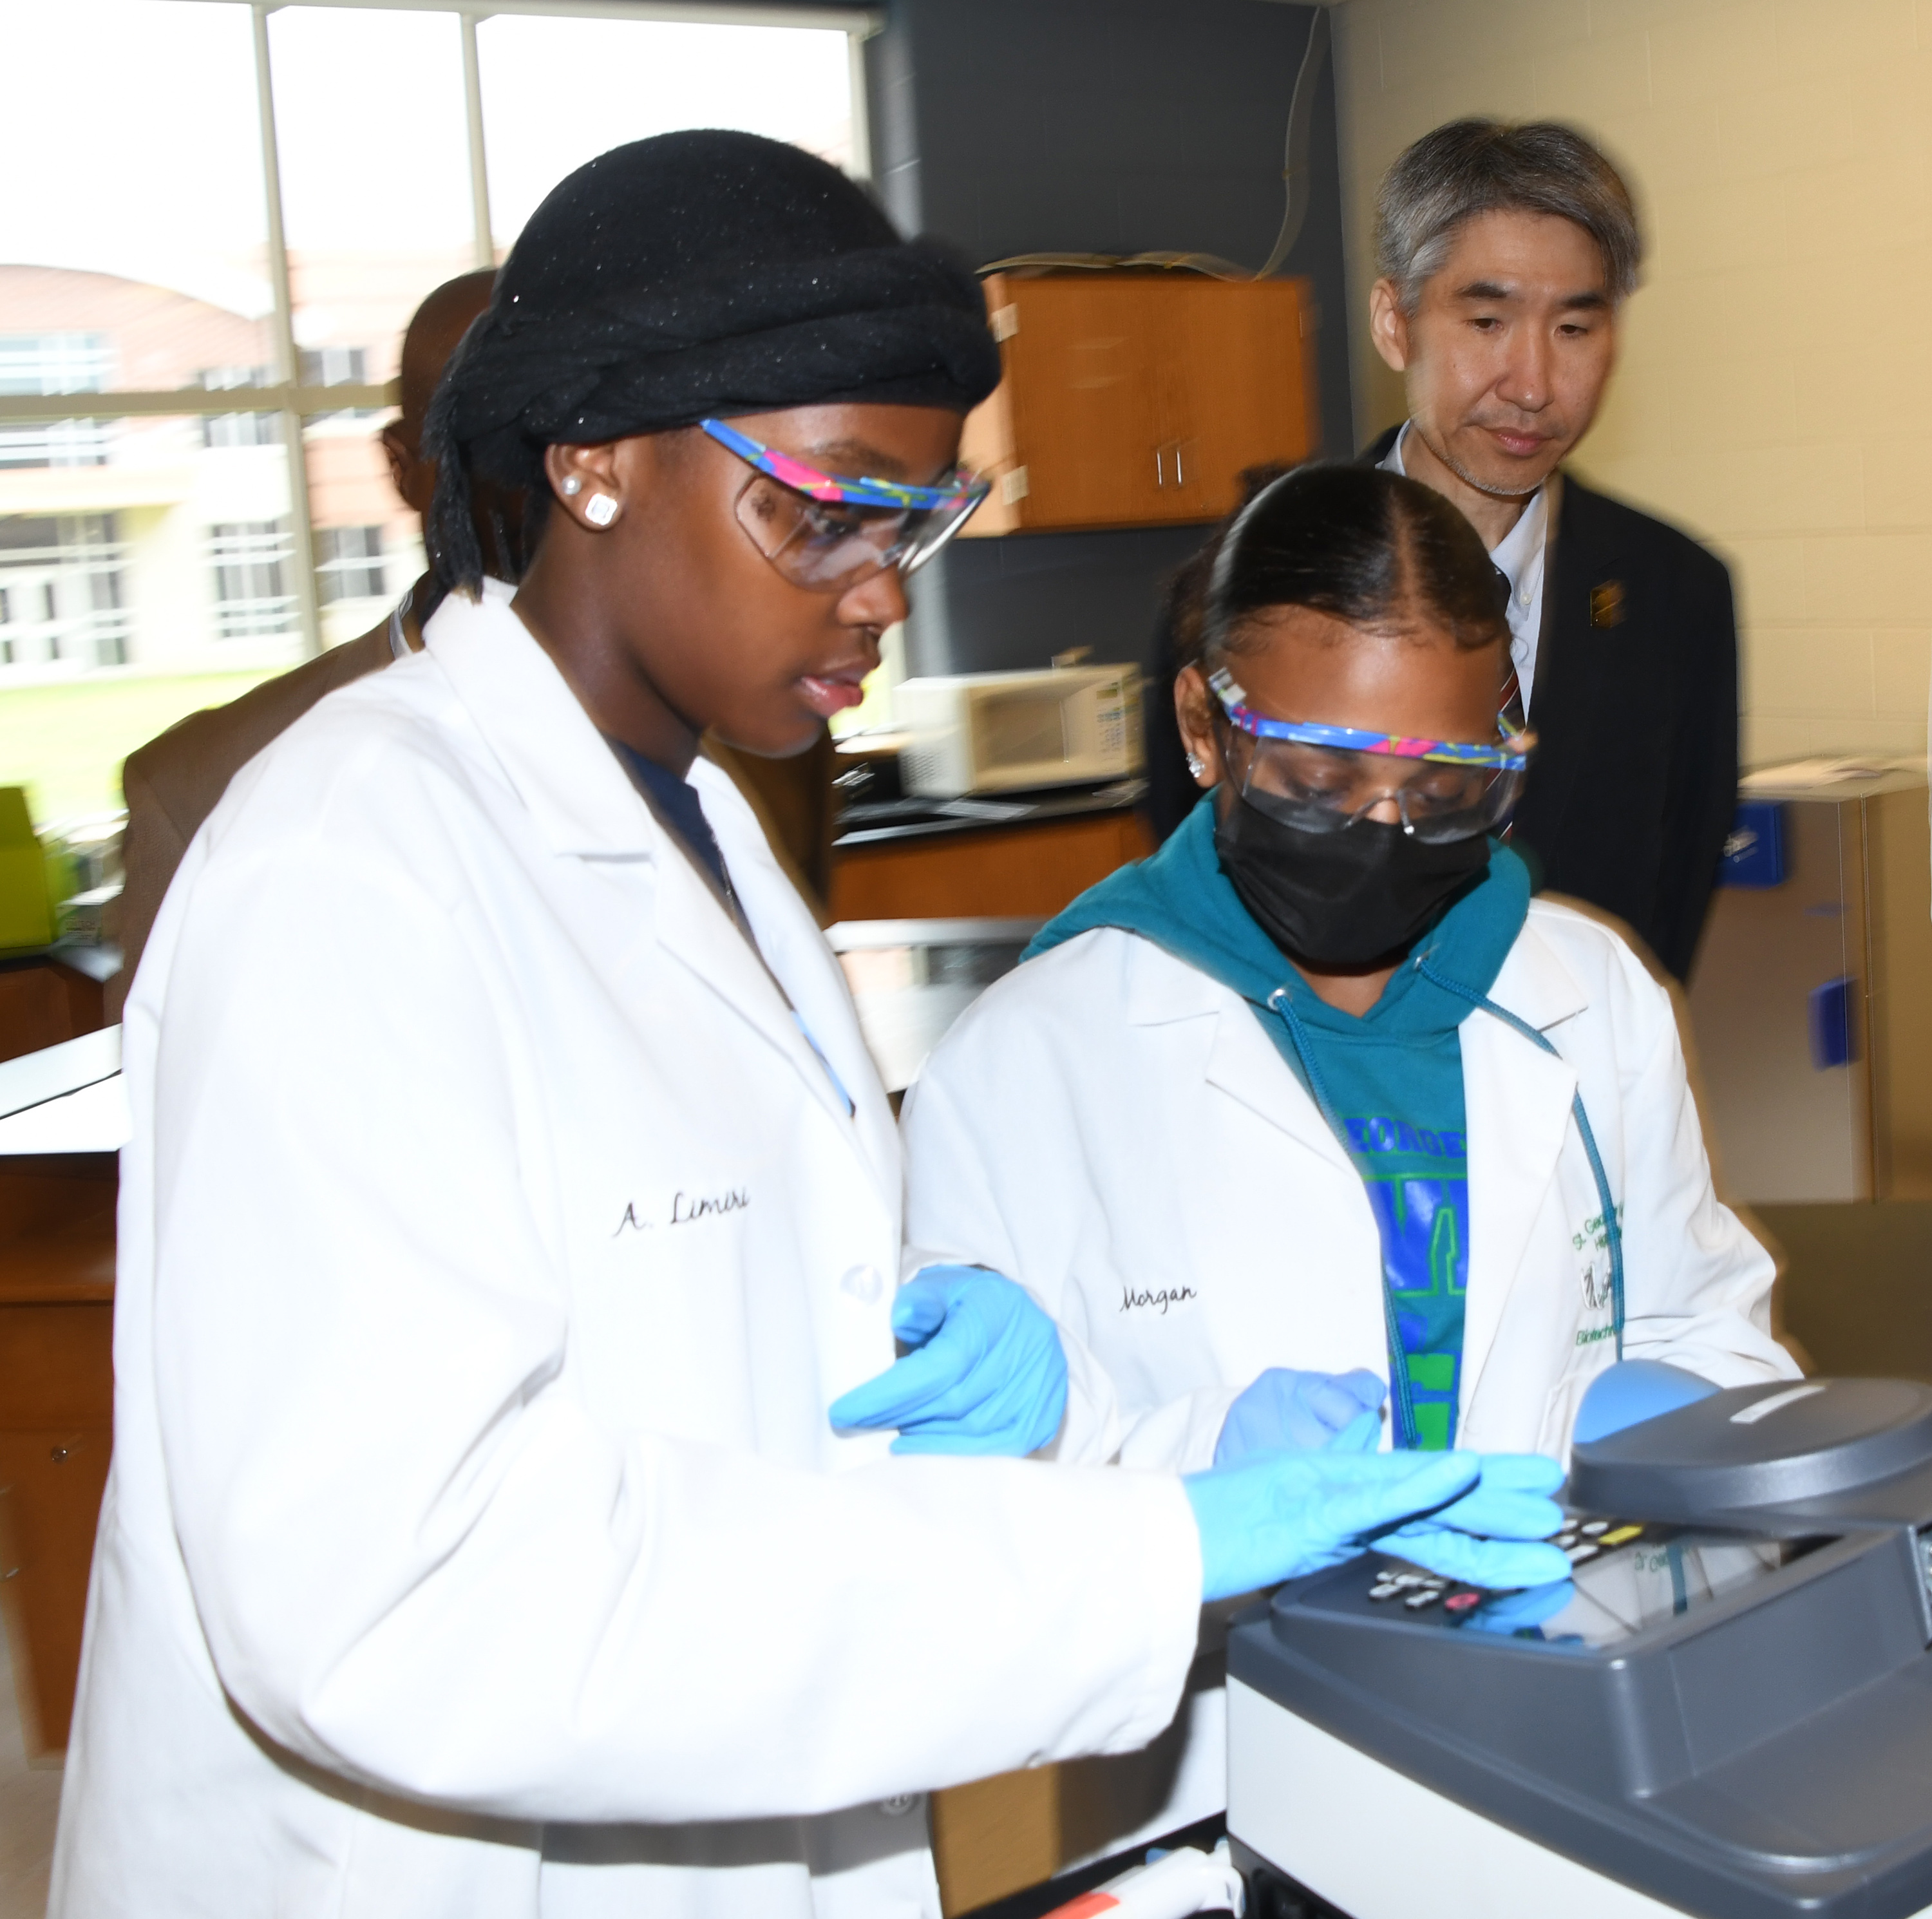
1159 471
1179 477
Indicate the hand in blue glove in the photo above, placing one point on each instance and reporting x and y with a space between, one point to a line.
1306 1410
1279 1516
986 1374
1474 1539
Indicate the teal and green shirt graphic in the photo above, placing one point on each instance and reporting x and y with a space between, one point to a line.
1417 1179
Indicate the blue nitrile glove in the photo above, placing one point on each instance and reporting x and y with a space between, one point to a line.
1482 1539
1277 1515
986 1374
1309 1411
1633 1390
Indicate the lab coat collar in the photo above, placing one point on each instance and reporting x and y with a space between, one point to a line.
1534 983
584 806
1517 1105
582 800
1239 1058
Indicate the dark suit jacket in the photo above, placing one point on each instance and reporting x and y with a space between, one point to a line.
1635 708
1635 785
174 782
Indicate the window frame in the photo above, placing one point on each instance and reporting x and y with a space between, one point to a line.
285 395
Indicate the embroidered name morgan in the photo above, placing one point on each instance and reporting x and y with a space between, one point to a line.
1160 1299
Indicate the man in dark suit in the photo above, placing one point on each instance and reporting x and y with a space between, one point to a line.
1505 254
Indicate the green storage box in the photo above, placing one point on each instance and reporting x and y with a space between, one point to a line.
26 898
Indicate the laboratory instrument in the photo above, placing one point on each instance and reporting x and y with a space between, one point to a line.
1726 1711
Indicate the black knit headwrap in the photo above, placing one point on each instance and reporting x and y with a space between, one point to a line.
697 275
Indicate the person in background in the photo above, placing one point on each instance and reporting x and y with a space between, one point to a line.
502 1517
1505 254
173 783
1285 1120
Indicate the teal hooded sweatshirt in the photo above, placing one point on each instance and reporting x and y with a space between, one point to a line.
1392 1079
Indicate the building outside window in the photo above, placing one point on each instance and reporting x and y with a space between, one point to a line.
349 563
253 561
61 591
239 428
40 364
337 366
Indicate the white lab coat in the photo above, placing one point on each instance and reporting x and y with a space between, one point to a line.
492 1243
1114 1129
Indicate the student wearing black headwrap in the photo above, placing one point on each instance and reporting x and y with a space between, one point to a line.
510 1206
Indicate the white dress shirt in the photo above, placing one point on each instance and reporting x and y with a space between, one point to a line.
1519 556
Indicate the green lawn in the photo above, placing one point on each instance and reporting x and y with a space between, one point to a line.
64 743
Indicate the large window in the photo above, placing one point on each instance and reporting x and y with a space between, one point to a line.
198 333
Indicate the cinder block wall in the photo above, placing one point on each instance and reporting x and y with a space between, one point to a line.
1775 392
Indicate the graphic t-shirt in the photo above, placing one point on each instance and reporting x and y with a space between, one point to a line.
1417 1179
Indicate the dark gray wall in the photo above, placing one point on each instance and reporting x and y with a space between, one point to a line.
993 606
1095 126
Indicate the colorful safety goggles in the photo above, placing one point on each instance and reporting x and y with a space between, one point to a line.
1323 777
827 533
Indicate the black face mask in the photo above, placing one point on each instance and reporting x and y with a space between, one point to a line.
1347 897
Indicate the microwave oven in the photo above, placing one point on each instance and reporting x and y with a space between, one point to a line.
998 731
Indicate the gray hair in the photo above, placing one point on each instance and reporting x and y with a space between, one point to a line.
1470 167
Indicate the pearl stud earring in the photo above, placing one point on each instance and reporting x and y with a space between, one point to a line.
600 509
571 487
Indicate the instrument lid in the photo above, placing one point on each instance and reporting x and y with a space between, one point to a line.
1777 1443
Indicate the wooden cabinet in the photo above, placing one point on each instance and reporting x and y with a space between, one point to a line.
56 1418
43 1003
1025 872
1133 399
56 1368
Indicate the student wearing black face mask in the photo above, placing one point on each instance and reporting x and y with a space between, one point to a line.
1316 1109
